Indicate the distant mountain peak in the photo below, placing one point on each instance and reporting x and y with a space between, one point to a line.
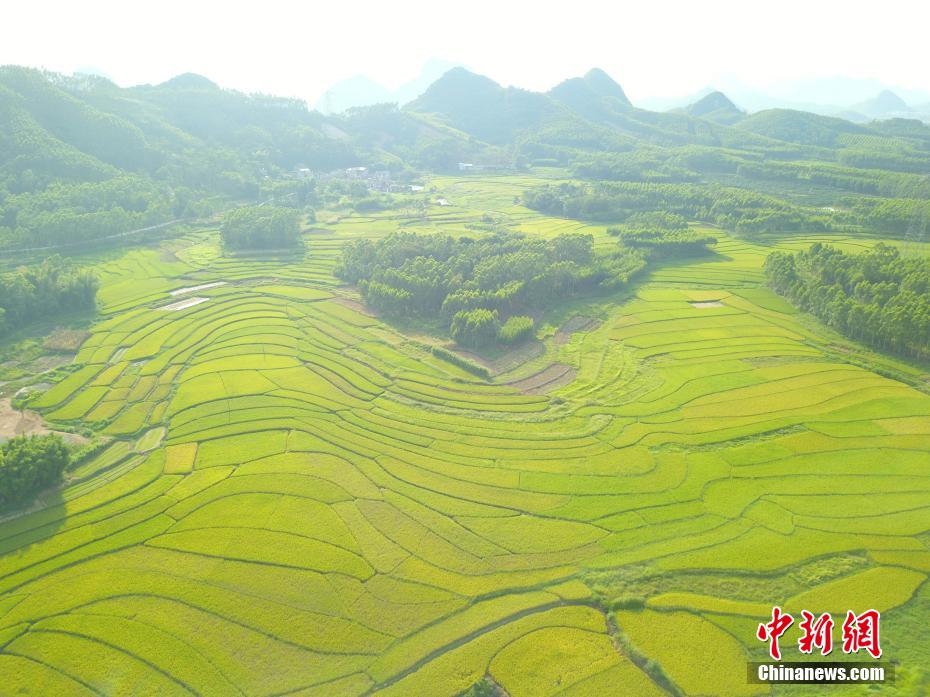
361 90
889 98
190 81
432 70
355 91
481 107
715 106
456 84
714 101
885 103
604 85
596 95
462 75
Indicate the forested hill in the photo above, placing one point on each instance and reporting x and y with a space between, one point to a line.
81 158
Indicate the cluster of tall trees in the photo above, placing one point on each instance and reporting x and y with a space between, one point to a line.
516 329
480 285
834 176
475 328
65 213
895 216
877 297
662 235
44 290
30 463
645 164
261 228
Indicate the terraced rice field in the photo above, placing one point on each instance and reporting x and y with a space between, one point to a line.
300 499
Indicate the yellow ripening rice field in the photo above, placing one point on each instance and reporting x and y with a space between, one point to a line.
301 499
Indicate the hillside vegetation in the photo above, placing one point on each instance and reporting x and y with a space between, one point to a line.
316 500
82 159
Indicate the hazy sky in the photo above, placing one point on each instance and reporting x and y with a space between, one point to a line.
300 48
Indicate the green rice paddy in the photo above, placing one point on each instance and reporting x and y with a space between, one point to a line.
301 499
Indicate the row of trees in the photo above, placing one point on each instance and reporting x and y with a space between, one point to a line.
829 175
878 297
895 216
854 172
44 290
729 207
480 285
261 227
745 210
30 463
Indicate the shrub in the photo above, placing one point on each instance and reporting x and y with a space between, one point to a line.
461 362
476 327
261 227
29 463
662 242
515 329
628 602
369 204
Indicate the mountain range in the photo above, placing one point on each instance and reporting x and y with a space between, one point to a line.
857 100
81 156
92 125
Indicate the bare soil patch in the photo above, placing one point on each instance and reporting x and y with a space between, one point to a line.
65 340
546 380
574 324
704 304
26 423
352 305
16 423
43 364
